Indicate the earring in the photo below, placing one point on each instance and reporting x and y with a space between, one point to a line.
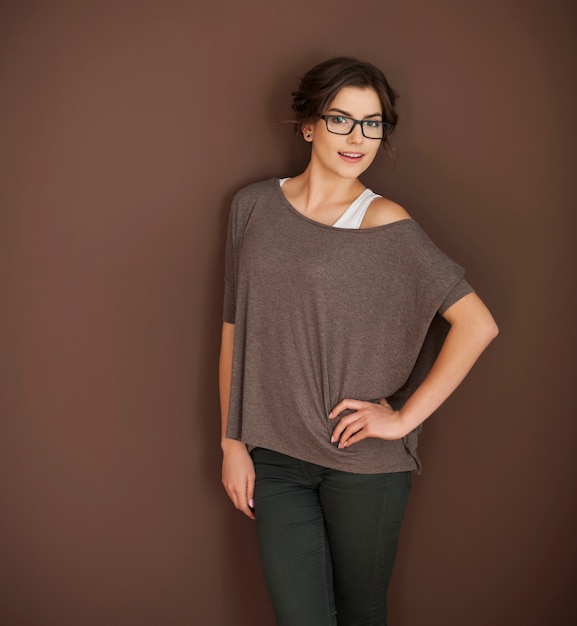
308 136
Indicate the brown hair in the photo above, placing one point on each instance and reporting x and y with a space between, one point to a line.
320 85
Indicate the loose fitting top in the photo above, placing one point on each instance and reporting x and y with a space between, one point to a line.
322 314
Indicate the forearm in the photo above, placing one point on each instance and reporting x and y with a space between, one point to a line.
225 374
472 329
237 466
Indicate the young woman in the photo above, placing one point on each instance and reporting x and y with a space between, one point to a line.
344 329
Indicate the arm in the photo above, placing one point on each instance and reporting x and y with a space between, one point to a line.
472 329
237 466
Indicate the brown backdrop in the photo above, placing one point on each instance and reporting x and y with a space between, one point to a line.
126 128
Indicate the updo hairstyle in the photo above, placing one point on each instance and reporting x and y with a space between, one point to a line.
320 85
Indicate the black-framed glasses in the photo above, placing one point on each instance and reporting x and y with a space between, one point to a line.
343 125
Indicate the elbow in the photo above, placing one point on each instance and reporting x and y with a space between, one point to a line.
494 331
489 330
486 326
473 319
482 328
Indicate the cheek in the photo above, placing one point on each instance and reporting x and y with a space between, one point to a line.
374 151
324 144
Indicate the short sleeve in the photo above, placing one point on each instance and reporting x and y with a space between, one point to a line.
441 281
458 291
229 308
242 207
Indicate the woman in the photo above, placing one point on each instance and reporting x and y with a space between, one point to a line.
344 329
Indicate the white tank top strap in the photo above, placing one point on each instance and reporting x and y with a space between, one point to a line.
355 213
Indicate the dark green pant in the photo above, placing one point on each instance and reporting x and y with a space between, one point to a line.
328 540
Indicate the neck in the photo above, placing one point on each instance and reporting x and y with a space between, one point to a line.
316 189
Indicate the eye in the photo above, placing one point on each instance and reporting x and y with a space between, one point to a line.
338 119
372 124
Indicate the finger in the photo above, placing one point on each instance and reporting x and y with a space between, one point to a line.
347 403
358 436
351 431
344 423
350 419
236 494
247 511
241 502
250 495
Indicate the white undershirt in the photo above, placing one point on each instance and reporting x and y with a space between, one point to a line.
355 213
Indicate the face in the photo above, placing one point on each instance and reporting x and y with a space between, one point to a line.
346 156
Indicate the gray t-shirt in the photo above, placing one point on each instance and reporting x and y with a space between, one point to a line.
323 314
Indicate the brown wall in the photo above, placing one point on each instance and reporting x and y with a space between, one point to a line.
126 127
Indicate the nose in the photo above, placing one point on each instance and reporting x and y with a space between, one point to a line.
356 135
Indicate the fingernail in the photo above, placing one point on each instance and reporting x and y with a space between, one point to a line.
332 439
331 415
251 503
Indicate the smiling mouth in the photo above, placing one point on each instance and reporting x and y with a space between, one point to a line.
351 155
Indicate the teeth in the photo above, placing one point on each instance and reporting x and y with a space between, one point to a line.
353 155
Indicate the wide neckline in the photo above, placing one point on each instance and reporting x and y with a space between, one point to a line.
300 215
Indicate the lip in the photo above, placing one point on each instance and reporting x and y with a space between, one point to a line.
351 157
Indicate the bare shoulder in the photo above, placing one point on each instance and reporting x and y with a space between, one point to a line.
383 211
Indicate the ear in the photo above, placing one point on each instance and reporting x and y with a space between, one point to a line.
307 131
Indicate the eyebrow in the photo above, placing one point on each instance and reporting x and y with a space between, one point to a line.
347 114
